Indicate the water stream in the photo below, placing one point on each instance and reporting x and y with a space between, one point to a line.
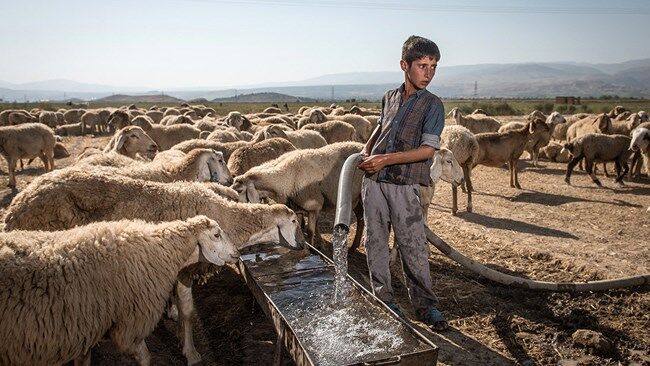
340 257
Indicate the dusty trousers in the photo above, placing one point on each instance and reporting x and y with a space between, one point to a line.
387 205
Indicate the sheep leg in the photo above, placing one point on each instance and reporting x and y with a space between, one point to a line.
605 169
467 173
358 212
516 174
569 168
589 166
186 310
620 176
141 354
311 228
454 199
12 172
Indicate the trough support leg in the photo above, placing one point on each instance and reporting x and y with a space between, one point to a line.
279 351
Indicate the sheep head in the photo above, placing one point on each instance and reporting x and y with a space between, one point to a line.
213 245
446 167
640 139
212 167
283 227
604 123
132 140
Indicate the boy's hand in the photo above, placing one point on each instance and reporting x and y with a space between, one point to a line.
374 163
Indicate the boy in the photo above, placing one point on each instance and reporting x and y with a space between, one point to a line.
397 160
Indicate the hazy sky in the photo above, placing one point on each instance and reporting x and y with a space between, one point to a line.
182 43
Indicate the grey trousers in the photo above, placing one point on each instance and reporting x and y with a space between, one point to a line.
387 205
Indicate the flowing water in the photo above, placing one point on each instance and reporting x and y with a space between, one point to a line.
354 329
340 257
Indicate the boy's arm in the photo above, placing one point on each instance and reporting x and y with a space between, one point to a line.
429 143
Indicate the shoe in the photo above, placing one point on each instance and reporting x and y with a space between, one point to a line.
434 319
392 306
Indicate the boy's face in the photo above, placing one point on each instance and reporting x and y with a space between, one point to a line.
421 71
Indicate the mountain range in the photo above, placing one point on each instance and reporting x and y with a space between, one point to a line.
516 80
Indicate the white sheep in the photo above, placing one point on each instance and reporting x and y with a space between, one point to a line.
333 131
307 178
166 136
362 125
301 139
26 141
108 279
246 157
462 143
475 123
199 165
226 148
641 142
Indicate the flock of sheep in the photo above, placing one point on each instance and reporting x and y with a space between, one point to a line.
177 192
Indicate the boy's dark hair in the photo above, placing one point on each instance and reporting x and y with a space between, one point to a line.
417 47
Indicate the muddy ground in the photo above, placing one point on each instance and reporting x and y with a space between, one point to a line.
546 231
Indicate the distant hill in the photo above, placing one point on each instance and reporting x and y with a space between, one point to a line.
121 98
264 98
519 80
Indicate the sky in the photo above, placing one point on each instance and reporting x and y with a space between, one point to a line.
207 43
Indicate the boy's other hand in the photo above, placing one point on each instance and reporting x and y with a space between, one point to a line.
374 163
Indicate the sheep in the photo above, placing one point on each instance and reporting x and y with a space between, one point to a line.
616 111
21 117
199 165
235 119
537 141
333 131
560 131
480 111
555 152
592 124
226 148
444 167
272 110
307 178
68 197
176 120
641 142
48 118
171 112
96 120
643 116
277 120
596 147
207 124
462 143
315 116
625 127
93 156
246 157
72 129
301 139
167 136
26 141
362 125
156 116
4 117
475 123
223 136
623 116
62 311
73 115
130 141
498 148
118 120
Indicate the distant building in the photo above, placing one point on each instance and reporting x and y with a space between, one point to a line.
567 100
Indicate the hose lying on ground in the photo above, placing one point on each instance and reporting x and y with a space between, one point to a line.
524 283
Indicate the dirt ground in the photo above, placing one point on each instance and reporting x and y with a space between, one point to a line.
546 231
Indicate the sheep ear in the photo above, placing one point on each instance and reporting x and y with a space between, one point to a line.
531 127
436 168
251 193
119 144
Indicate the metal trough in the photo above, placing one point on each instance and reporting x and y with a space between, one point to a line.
295 289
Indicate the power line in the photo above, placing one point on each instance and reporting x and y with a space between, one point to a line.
444 8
